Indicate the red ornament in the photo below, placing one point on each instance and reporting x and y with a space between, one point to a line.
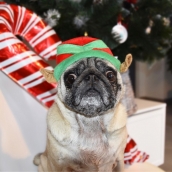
132 1
20 63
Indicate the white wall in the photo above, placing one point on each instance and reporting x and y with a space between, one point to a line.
153 81
22 127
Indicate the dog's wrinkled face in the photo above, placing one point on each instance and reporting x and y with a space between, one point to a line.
90 87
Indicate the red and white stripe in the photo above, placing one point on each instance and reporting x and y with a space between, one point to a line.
132 154
17 60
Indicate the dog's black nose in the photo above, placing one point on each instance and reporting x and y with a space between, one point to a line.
91 77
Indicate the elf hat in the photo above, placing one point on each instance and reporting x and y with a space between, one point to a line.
75 49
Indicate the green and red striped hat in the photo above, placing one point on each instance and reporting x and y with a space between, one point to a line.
75 49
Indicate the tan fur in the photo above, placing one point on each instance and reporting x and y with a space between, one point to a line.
118 120
48 75
84 145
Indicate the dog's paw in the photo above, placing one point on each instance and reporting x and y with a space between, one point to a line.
36 160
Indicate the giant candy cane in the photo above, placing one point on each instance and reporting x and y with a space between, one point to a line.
17 60
132 154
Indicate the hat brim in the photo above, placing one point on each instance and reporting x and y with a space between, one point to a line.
60 68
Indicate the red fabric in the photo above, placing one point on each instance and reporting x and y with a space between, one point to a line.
62 57
79 41
107 50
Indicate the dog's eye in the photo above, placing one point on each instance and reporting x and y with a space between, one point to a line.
110 76
71 78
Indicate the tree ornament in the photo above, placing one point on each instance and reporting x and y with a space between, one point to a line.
80 21
148 29
158 16
132 1
119 33
166 21
96 2
52 17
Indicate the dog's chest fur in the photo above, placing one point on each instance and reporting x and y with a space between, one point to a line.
84 142
93 142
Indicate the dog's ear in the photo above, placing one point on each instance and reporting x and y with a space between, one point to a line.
48 75
125 65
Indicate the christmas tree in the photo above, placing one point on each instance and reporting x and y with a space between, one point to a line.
148 24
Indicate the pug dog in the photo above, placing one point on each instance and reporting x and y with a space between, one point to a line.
86 125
